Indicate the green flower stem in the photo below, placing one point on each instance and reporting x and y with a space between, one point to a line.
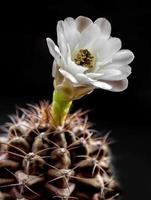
60 108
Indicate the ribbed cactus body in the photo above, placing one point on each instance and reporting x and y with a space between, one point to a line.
39 161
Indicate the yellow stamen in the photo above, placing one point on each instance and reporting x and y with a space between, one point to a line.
84 58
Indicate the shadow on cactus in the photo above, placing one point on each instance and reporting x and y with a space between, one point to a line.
48 152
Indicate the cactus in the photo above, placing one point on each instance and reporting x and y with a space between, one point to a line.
38 161
49 153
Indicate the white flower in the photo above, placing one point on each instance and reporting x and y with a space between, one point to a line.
87 56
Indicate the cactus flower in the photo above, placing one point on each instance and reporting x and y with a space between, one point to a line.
87 56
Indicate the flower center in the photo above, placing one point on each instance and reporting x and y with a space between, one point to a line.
84 58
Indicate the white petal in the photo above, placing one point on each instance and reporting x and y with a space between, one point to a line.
69 30
98 44
61 42
53 49
108 49
114 74
103 85
83 79
73 68
95 76
104 26
82 23
70 22
54 68
99 66
68 76
123 57
89 35
110 74
118 86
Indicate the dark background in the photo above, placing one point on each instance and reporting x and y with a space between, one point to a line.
25 77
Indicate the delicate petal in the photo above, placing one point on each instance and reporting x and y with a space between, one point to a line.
54 68
95 76
108 49
123 57
68 76
114 86
53 49
61 42
72 34
73 68
84 79
113 66
99 66
104 26
116 73
89 35
108 66
82 23
69 22
103 85
69 31
97 45
118 86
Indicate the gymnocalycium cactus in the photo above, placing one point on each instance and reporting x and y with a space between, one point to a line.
49 153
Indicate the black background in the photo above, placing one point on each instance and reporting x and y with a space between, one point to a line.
25 76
